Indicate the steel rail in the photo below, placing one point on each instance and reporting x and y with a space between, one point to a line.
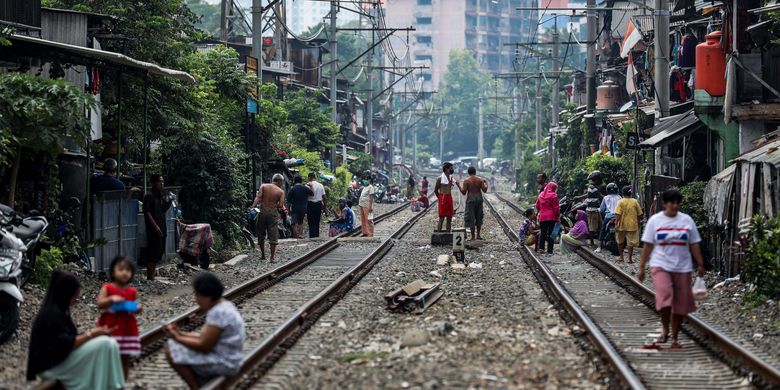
311 309
593 331
698 327
695 326
151 337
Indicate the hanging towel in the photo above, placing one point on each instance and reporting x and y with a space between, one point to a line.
444 179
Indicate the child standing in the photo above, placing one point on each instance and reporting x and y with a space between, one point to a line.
118 308
628 214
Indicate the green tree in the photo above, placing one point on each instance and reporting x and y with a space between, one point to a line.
39 115
307 124
464 81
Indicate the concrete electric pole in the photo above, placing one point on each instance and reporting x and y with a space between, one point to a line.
481 136
538 104
661 16
590 66
333 69
556 95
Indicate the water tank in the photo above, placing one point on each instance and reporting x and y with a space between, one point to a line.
711 65
608 96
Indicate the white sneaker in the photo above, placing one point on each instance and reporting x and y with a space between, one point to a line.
598 250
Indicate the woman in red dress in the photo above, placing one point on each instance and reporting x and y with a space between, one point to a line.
118 306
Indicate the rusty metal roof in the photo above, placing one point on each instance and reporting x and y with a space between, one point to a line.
766 153
671 129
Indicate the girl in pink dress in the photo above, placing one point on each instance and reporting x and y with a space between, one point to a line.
118 306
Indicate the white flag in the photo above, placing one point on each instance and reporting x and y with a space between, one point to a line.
630 75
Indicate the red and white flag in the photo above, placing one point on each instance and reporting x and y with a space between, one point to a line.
630 76
632 37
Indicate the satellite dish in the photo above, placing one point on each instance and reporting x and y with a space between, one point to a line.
627 106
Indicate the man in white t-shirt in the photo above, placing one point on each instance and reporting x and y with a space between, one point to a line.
670 238
317 205
366 203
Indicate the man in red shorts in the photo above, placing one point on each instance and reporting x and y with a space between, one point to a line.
443 191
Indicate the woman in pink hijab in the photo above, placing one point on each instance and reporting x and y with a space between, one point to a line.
549 214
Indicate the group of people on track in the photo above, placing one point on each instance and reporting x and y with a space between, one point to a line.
671 241
472 187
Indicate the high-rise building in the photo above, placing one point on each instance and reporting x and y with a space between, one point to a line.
304 14
482 26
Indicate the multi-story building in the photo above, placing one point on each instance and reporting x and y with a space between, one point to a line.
483 26
304 14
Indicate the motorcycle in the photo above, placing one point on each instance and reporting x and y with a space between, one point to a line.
18 239
610 238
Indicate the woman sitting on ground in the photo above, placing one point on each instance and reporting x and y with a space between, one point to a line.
218 348
577 235
346 220
58 352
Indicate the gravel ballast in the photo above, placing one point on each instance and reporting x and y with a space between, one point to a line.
494 327
162 299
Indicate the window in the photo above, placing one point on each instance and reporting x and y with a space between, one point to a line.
424 39
423 2
423 57
423 20
426 76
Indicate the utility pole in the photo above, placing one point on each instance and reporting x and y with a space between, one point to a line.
414 148
370 101
538 104
257 34
223 21
590 67
333 69
661 16
555 87
481 136
518 111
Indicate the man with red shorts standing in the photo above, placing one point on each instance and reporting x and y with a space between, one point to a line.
443 191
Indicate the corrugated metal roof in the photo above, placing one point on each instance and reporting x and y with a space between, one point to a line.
116 59
766 153
671 129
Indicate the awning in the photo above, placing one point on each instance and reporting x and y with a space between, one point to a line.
40 46
717 196
671 129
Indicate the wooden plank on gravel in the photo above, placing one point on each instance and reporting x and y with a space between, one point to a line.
236 259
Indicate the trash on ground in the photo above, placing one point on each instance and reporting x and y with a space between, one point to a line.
415 296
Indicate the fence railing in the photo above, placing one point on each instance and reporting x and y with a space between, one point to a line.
117 221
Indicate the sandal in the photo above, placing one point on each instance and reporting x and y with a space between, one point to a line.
661 339
676 345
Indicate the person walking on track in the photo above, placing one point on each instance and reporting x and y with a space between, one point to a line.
473 187
443 192
297 199
270 197
628 214
366 203
318 204
549 214
670 239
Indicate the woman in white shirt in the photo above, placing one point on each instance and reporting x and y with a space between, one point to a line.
366 203
670 239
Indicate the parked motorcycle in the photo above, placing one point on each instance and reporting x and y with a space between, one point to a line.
18 239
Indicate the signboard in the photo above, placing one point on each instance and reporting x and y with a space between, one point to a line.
459 244
251 106
632 141
268 41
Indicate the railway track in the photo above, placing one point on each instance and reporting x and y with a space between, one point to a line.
619 316
278 306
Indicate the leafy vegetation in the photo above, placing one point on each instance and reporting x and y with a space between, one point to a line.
693 205
762 269
46 262
38 115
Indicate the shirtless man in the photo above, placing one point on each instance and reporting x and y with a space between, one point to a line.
270 196
473 187
443 192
